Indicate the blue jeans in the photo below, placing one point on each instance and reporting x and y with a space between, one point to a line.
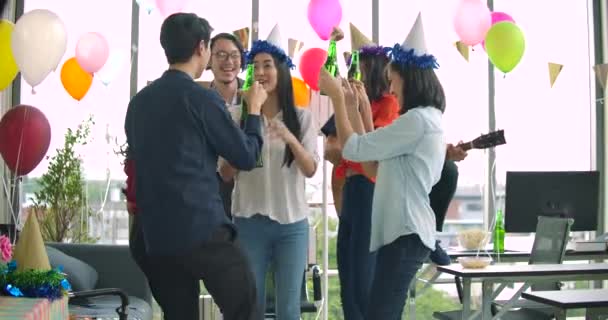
282 246
355 263
396 266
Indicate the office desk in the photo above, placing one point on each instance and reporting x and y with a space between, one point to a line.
594 301
505 274
509 256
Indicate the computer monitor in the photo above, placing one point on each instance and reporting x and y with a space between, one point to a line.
572 194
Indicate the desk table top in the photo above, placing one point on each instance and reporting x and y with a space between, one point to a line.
528 270
570 299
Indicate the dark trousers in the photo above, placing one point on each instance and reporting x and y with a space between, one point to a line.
220 263
396 266
355 263
442 193
226 194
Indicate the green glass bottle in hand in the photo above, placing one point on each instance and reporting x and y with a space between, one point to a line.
244 108
246 85
354 70
499 233
331 63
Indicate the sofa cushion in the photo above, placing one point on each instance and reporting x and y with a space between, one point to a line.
80 274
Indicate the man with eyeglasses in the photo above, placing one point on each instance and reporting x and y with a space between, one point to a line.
227 61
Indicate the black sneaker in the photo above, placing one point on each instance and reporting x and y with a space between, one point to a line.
439 256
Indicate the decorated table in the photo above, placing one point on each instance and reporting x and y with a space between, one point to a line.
12 308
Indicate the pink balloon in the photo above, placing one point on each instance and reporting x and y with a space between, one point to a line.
496 18
311 62
169 7
92 51
323 16
472 21
500 17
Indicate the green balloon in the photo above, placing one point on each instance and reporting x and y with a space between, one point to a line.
505 45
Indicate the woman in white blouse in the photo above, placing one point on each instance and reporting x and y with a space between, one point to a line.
269 203
409 153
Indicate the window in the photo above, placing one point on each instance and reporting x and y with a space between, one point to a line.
296 26
106 103
221 16
465 84
547 128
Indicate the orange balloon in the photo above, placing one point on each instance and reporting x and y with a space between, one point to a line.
301 92
75 80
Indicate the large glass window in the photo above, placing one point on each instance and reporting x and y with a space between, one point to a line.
225 16
296 25
106 103
466 89
547 128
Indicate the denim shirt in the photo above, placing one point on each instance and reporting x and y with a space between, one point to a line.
410 154
176 130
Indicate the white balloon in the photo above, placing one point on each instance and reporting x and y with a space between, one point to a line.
112 68
39 42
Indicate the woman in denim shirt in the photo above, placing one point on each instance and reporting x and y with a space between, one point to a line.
410 153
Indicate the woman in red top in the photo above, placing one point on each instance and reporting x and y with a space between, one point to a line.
355 262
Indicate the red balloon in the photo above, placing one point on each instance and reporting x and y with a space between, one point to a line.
311 62
25 136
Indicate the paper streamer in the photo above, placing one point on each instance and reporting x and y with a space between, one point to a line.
294 46
601 72
243 35
554 70
463 49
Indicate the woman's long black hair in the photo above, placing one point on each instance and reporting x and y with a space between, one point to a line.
375 80
287 105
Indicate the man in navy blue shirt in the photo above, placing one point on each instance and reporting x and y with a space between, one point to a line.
176 130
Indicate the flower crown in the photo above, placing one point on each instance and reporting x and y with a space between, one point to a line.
374 50
264 46
371 50
408 57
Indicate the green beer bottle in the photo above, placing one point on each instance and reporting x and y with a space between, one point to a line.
354 71
499 232
331 63
244 108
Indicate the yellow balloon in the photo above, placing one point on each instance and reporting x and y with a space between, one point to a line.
7 61
75 80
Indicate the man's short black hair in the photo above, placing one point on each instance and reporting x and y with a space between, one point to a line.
181 34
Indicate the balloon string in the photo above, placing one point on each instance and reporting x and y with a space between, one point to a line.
10 206
20 146
33 90
11 194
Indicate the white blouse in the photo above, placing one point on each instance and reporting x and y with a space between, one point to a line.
410 154
276 190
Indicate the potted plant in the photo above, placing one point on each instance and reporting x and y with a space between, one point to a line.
60 203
